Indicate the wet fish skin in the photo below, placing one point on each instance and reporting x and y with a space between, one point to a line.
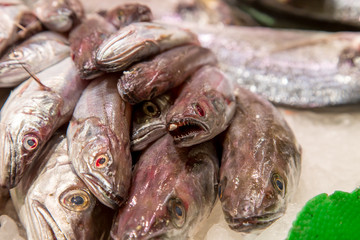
203 109
149 79
99 141
84 40
308 69
37 53
17 23
53 202
172 190
149 122
125 14
260 166
58 15
31 115
138 41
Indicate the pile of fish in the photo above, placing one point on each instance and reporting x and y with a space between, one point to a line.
130 128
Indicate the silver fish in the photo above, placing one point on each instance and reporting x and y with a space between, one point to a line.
260 166
203 109
289 67
148 79
17 22
37 53
31 115
99 141
172 191
58 15
149 122
53 203
137 41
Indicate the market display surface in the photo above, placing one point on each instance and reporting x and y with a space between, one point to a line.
141 120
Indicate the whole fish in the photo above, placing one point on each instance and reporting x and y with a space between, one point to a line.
53 203
260 166
124 14
17 22
84 41
138 41
31 115
37 53
288 67
172 191
149 79
99 141
203 109
328 11
149 121
58 15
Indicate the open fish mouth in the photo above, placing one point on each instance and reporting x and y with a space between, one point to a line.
186 128
250 224
106 196
48 226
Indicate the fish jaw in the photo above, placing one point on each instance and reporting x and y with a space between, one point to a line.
8 165
102 189
12 73
188 131
143 136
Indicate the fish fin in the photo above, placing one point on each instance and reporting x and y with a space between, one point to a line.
33 76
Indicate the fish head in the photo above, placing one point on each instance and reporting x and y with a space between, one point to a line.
167 198
125 14
21 142
195 119
102 161
149 121
255 193
60 206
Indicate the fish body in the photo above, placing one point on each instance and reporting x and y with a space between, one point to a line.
172 190
296 68
149 121
58 15
37 53
203 109
53 203
31 115
17 22
149 79
125 14
137 41
99 141
260 166
84 40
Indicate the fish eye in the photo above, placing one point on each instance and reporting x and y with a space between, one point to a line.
177 212
120 15
30 142
198 109
221 187
101 161
16 54
278 183
151 109
76 200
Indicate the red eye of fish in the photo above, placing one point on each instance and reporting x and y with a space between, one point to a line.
102 161
199 110
30 142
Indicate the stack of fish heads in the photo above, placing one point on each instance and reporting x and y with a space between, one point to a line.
203 109
99 141
53 203
260 166
172 190
32 113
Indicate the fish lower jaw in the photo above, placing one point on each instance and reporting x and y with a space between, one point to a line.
185 129
250 224
107 197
